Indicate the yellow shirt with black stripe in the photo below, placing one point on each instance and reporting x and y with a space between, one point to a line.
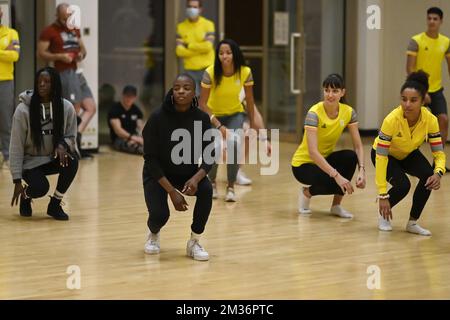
430 53
8 36
398 140
195 43
328 131
225 99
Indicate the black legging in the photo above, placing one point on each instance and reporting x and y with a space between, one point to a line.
36 179
415 164
158 208
320 182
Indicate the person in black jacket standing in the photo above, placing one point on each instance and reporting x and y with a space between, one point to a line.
169 170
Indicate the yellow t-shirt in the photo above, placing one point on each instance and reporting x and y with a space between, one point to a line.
8 57
225 99
398 140
193 44
430 53
328 131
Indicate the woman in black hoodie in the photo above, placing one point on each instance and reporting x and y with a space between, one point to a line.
174 171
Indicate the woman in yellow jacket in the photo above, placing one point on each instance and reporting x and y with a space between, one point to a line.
396 153
222 85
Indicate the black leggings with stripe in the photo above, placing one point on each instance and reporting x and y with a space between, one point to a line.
415 164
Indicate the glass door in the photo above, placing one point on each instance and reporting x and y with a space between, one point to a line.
283 64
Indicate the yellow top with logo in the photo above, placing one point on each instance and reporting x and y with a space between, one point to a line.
8 36
328 131
193 44
430 53
398 140
225 99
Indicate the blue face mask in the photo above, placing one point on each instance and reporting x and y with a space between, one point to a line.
192 13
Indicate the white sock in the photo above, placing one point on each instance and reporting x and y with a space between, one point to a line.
341 212
195 236
306 201
58 195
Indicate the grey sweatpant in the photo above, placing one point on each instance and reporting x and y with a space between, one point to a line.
235 121
6 115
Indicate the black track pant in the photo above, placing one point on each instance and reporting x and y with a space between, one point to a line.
36 179
320 183
415 165
158 208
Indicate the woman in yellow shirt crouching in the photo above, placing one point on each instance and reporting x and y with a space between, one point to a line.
315 163
396 153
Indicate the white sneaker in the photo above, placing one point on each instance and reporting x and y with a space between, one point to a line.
341 212
152 245
303 203
231 196
215 193
383 224
196 251
413 227
242 180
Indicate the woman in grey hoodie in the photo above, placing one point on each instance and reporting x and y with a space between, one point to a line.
43 142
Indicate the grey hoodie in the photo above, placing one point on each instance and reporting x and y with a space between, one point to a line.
22 153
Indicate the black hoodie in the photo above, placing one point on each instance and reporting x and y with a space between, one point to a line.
158 146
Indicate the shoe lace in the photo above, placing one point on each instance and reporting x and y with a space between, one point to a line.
198 247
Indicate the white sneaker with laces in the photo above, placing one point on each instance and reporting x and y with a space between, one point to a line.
413 227
303 203
196 251
215 193
152 246
383 224
242 180
231 196
341 212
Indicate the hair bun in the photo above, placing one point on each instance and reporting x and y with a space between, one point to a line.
420 77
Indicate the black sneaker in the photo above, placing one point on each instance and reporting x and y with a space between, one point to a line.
25 207
56 211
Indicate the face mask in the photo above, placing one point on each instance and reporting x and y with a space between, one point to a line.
192 13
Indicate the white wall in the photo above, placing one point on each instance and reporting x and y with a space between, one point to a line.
5 10
89 20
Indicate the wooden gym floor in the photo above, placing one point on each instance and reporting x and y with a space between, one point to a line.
260 247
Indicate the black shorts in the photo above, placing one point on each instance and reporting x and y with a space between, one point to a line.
438 103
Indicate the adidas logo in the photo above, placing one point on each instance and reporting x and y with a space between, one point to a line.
324 126
400 135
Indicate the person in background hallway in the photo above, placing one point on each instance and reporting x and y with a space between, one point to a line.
195 42
426 52
222 85
126 124
9 54
64 47
396 153
163 176
316 164
43 142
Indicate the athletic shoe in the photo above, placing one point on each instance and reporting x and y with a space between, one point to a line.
341 212
152 246
231 196
413 227
303 203
383 224
55 210
215 193
196 251
242 180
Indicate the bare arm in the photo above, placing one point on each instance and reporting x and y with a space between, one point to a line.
410 64
45 54
359 149
250 101
118 130
83 53
448 63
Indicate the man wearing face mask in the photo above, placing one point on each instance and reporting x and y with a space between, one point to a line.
195 42
9 53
